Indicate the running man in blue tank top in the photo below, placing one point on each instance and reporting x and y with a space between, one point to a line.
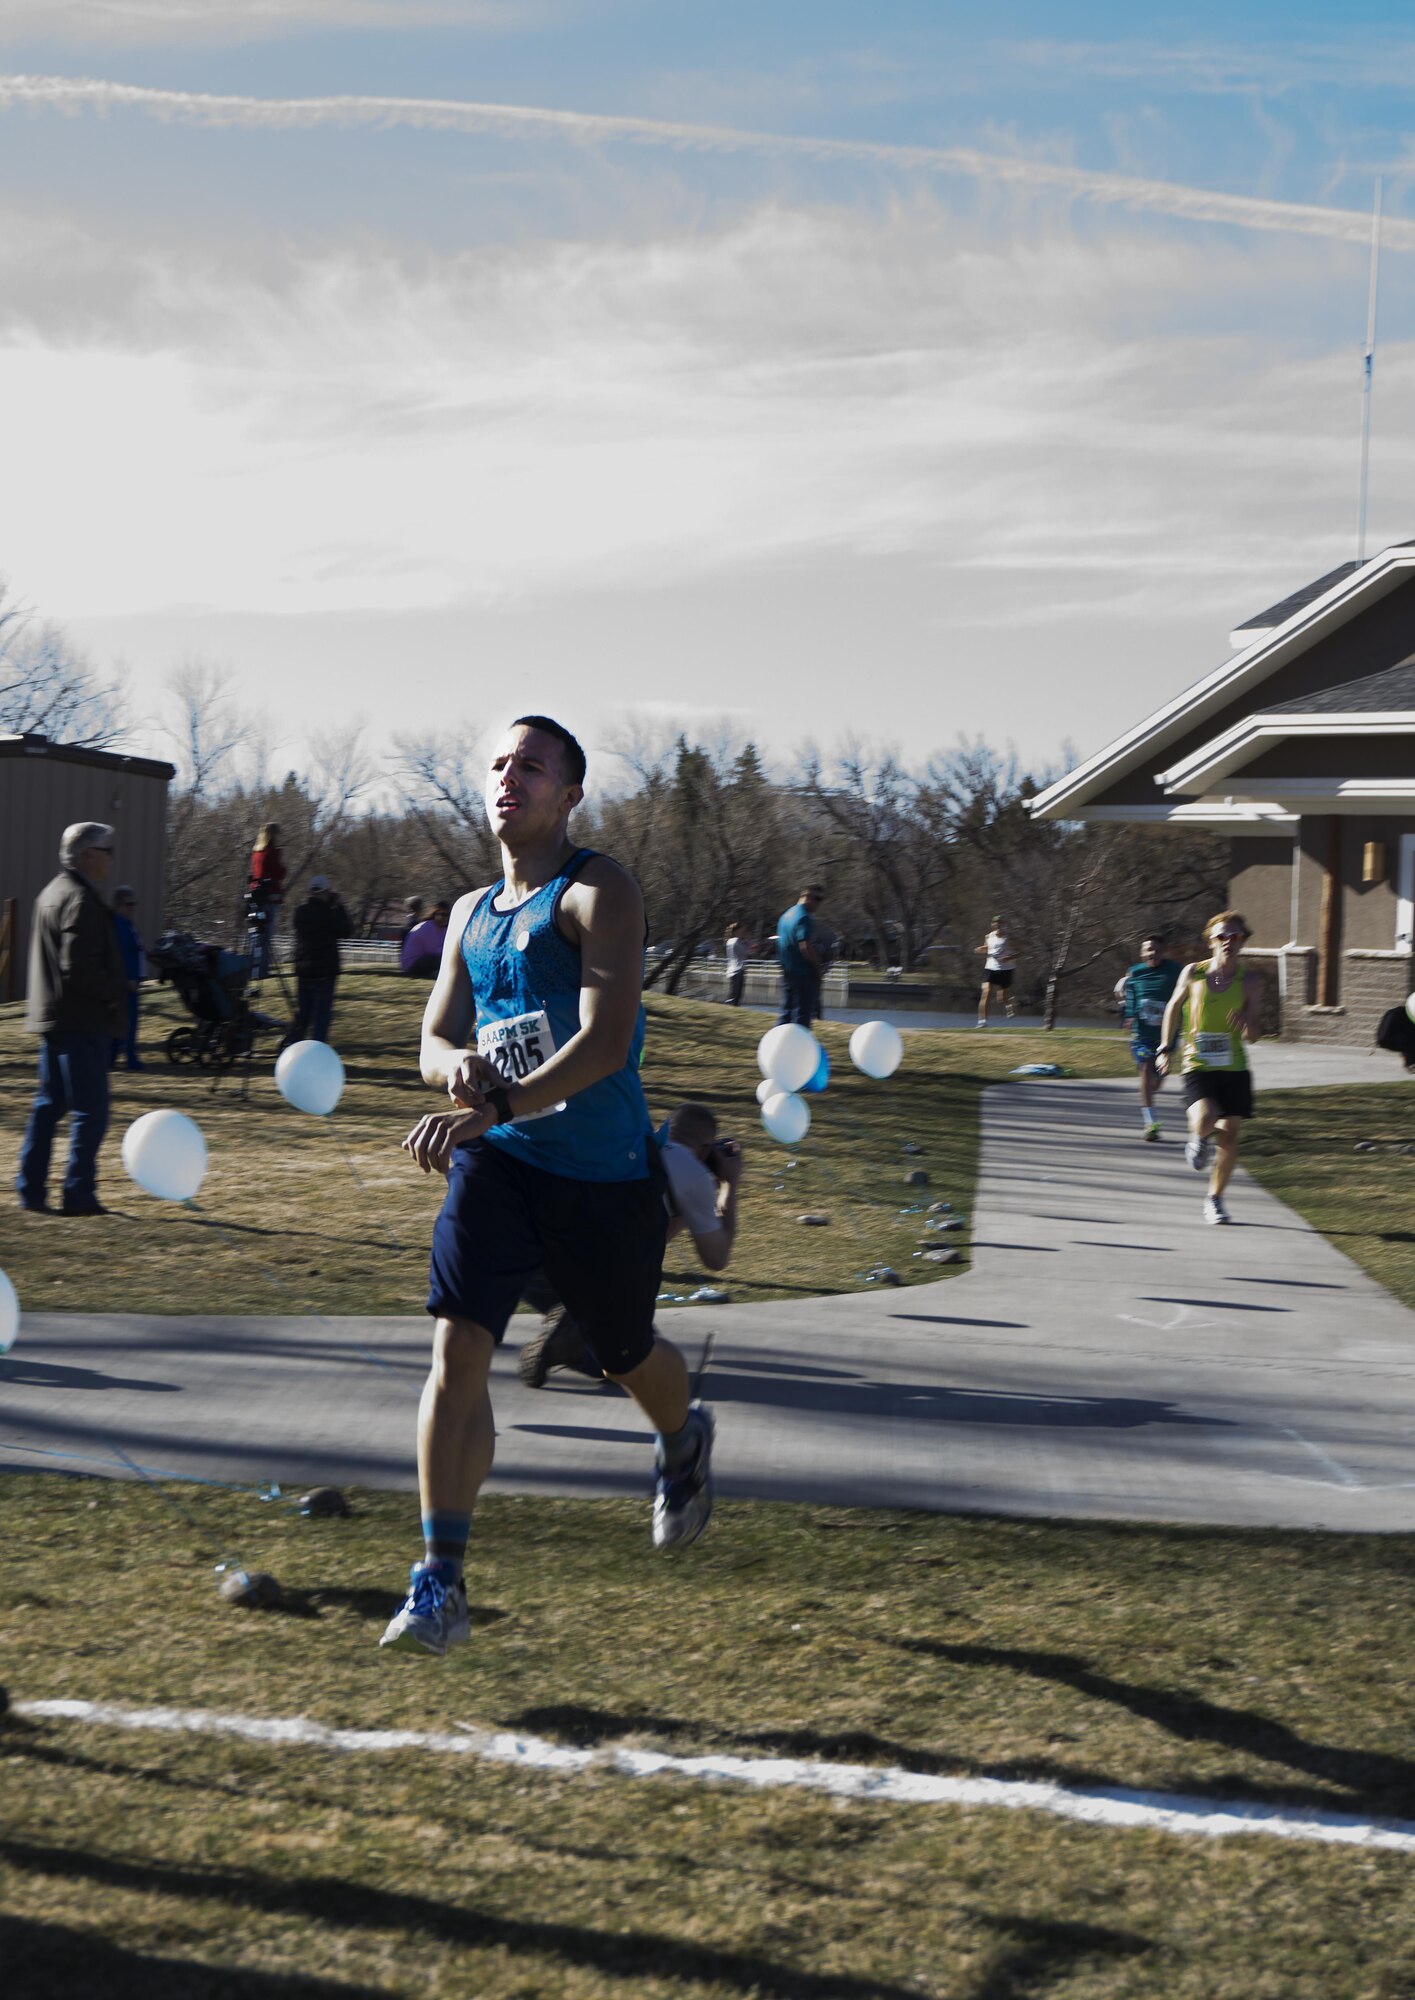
534 1030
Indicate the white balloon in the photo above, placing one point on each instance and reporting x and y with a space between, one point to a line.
310 1076
765 1089
876 1048
9 1314
787 1118
1410 1006
788 1055
165 1154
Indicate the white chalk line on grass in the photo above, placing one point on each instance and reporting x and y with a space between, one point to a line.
1162 1812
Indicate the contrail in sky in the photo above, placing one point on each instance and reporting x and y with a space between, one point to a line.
521 121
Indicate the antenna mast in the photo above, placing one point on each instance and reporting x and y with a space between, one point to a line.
1369 370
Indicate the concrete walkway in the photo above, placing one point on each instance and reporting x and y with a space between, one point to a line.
1107 1355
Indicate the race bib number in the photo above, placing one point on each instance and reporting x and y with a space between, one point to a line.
1151 1012
1214 1051
516 1047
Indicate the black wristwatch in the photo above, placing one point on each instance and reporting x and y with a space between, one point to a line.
499 1097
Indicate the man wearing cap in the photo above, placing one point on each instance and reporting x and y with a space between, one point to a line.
320 922
76 1005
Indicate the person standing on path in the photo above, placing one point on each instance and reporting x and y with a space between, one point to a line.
320 923
75 1006
125 905
998 967
1144 993
534 1028
801 962
739 950
1216 1007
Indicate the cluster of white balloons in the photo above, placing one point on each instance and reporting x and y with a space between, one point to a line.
793 1064
165 1153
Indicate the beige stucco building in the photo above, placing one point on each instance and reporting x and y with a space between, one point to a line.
1302 748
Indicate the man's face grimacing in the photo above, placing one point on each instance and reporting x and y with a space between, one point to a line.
1150 950
526 791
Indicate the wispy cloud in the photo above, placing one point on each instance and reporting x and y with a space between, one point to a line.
140 23
1356 63
509 121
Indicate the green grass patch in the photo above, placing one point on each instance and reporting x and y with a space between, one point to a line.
302 1214
1303 1147
1264 1666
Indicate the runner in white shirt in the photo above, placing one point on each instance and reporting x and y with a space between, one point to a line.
702 1173
998 967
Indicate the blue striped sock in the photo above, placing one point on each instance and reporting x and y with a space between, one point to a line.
445 1543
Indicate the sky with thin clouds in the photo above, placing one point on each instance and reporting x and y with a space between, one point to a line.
914 370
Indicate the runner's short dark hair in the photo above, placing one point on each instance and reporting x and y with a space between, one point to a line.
572 757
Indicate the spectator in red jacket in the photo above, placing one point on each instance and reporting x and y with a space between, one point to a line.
265 891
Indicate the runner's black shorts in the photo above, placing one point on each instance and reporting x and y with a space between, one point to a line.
1230 1089
600 1242
993 977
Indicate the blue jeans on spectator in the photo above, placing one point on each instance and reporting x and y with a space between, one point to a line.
314 1010
800 997
128 1048
73 1081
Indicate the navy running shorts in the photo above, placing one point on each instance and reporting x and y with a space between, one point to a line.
1230 1089
600 1243
1142 1048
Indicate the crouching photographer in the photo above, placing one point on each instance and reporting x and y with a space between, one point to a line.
701 1173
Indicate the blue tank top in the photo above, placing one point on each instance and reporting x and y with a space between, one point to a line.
526 985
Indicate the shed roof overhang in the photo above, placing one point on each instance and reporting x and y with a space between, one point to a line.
1071 796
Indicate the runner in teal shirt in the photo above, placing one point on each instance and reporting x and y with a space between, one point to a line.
1144 995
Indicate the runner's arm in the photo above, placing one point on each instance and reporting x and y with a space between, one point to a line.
1251 1014
1173 1016
450 1012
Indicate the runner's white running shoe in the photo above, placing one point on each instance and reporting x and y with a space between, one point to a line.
682 1500
1214 1210
434 1616
1198 1152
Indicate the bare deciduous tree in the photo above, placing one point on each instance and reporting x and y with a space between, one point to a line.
49 688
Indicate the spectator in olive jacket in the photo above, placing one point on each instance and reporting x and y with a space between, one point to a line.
77 993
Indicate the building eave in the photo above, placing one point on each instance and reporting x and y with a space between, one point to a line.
1217 760
1271 650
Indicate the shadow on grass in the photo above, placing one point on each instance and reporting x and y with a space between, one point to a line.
1374 1780
65 1964
1040 1952
353 1906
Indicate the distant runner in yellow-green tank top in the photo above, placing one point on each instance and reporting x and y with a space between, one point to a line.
1215 1010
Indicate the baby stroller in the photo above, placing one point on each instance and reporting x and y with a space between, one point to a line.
213 985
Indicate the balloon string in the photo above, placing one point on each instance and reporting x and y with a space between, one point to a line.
273 1278
366 1192
227 1559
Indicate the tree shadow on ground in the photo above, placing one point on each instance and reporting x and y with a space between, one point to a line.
1373 1780
65 1964
356 1906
